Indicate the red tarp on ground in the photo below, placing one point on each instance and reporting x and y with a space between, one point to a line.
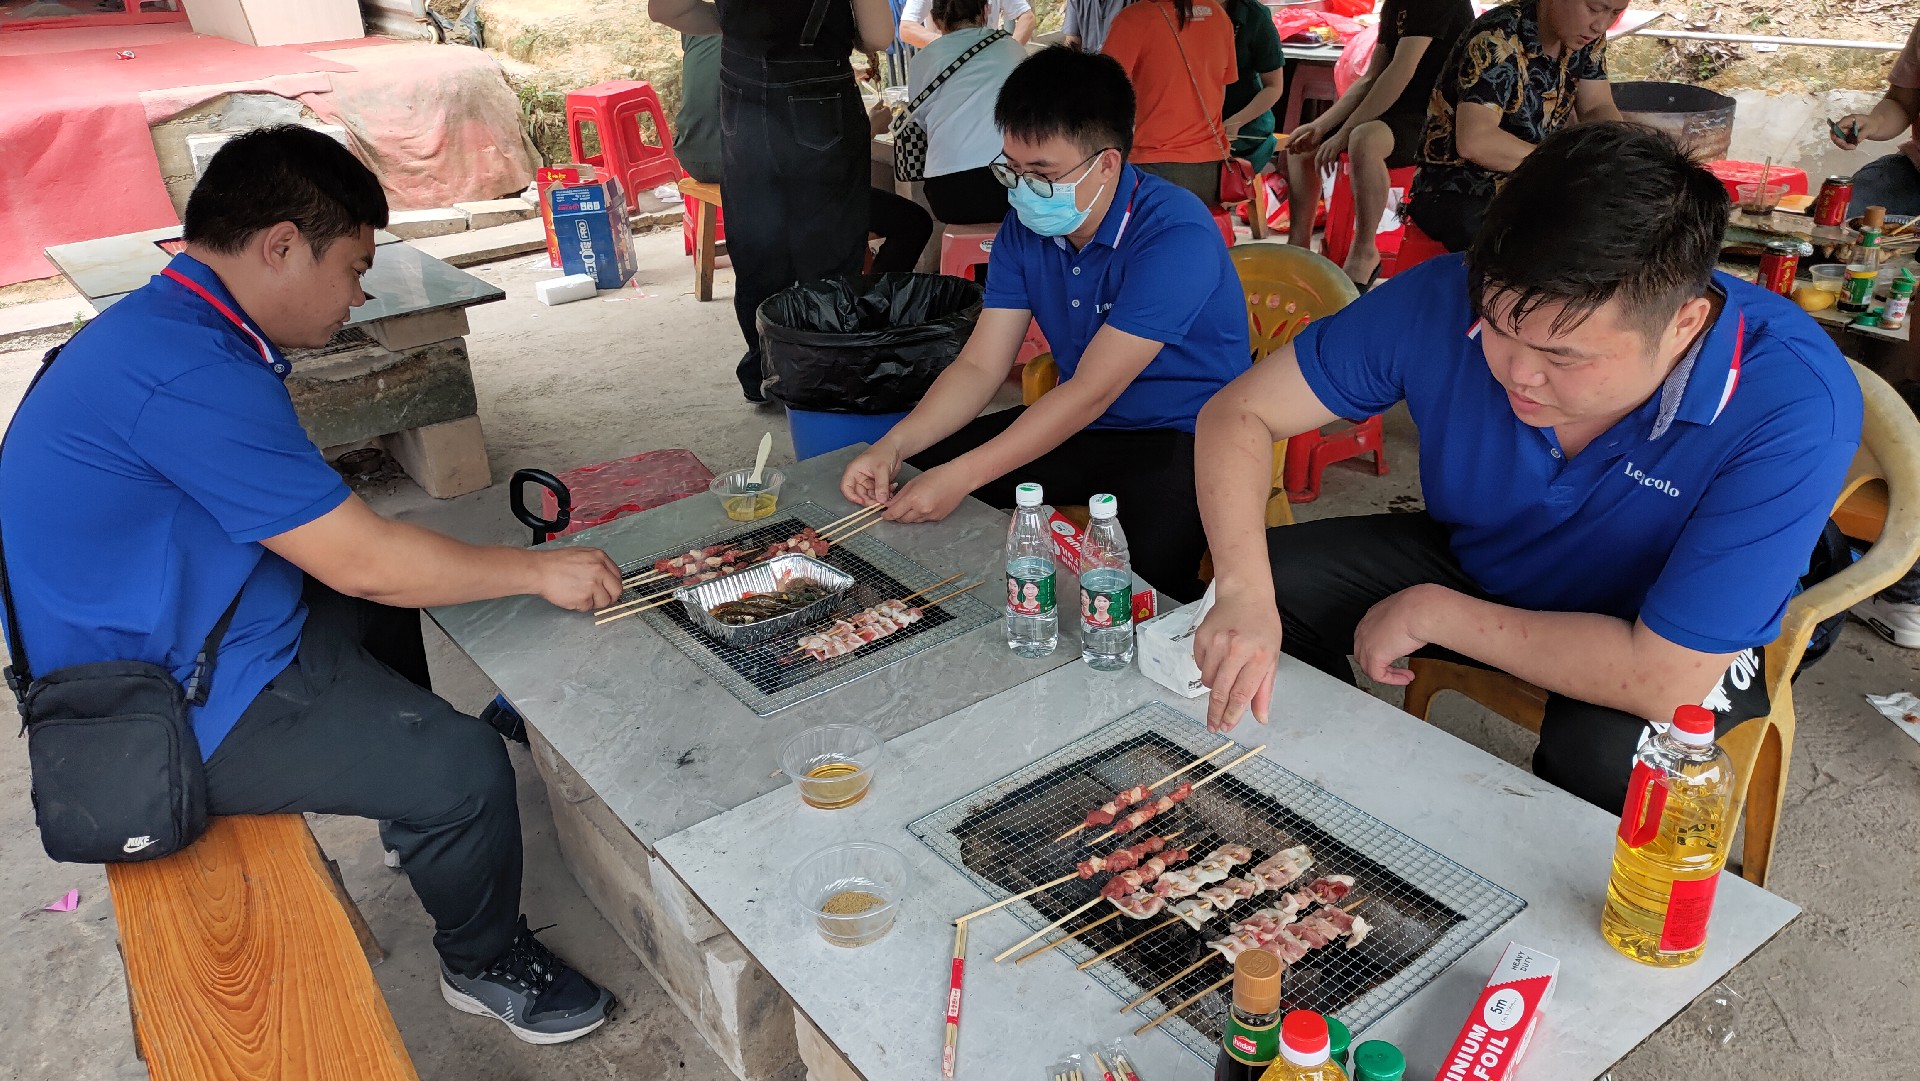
77 121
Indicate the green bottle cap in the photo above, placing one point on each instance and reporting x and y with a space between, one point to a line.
1338 1040
1378 1060
1901 287
1871 319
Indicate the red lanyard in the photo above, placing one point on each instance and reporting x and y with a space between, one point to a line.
266 354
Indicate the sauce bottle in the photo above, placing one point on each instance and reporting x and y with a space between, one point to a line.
1378 1060
1672 844
1252 1036
1339 1040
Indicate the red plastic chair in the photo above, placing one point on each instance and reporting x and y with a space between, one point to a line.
614 110
1416 247
1341 228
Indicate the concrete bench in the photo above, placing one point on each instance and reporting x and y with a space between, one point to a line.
246 960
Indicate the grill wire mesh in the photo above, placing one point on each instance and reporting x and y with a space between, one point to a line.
770 677
1426 910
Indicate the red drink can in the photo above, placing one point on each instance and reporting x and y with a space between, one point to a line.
1830 208
1778 266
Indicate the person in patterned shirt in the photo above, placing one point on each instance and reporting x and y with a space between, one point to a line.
1522 72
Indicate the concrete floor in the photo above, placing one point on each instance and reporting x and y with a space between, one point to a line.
1835 994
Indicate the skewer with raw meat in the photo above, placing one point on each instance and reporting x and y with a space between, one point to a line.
1289 942
700 564
1326 890
1132 878
850 633
1120 859
1165 803
1275 873
1104 814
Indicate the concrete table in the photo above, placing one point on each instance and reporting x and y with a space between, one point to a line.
875 1012
636 743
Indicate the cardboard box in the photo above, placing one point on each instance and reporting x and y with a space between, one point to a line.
595 239
1069 544
1164 647
546 178
1501 1022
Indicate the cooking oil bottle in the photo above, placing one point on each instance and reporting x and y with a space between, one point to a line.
1306 1051
1672 844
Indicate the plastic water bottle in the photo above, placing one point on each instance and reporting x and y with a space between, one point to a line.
1033 619
1106 591
1672 844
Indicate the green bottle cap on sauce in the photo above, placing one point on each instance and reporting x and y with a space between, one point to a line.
1378 1060
1338 1040
1871 319
1901 287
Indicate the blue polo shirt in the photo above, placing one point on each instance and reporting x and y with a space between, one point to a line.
1694 513
1157 269
138 480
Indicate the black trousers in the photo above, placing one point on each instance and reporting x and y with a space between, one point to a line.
1449 217
1148 472
968 197
1328 573
796 172
904 229
352 728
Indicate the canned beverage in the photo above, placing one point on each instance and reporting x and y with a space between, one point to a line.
1830 207
1778 266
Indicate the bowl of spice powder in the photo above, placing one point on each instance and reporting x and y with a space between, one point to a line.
851 891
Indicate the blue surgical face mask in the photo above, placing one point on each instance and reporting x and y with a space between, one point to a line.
1056 215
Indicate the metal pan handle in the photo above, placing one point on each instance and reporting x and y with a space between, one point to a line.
543 529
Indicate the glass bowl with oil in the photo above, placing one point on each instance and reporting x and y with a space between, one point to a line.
743 502
851 891
831 764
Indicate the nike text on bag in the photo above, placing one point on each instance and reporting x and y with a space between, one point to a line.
116 770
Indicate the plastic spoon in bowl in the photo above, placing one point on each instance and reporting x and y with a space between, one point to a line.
760 462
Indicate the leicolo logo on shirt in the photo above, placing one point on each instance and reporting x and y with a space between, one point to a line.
1640 477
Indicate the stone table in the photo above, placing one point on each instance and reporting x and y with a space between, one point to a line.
636 743
876 1012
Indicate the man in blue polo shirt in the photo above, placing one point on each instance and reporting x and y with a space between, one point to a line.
1626 458
1130 283
157 471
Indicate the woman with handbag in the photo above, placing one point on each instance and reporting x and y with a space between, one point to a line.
1179 54
952 84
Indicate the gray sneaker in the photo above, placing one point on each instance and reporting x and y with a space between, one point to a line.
535 994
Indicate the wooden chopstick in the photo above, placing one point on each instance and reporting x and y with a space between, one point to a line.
954 985
1064 939
1159 782
1199 784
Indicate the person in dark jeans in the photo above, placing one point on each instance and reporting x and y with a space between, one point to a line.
1520 73
164 433
1626 459
794 162
1130 282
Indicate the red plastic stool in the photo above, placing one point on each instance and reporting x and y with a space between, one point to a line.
1309 455
596 494
614 110
963 247
1224 222
1341 228
1416 247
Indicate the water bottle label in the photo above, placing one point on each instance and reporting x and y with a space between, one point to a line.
1104 610
1030 596
1687 910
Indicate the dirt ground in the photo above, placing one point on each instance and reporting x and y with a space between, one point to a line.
649 367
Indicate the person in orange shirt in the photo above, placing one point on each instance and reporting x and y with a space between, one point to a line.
1179 54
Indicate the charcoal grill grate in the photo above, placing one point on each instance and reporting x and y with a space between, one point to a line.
1427 911
757 676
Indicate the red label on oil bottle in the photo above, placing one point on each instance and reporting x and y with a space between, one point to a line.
1687 910
1646 800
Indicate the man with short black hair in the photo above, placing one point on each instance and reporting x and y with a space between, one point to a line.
1129 280
1626 458
157 471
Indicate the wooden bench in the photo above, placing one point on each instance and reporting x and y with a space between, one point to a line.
246 960
703 206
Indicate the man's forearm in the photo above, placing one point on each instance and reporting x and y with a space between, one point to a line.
1044 425
1383 92
1889 119
1582 655
956 397
414 567
1023 27
1498 150
1237 447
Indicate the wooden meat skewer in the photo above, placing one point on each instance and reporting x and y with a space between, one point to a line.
1195 967
608 610
1210 958
648 577
861 513
1159 782
1197 785
910 596
1066 938
1089 906
1168 922
847 536
634 611
1069 877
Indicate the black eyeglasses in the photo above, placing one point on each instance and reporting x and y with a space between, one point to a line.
1039 185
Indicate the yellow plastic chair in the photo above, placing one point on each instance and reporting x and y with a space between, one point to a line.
1286 288
1761 748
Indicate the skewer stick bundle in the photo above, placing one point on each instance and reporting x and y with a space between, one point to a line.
1159 782
634 612
1197 785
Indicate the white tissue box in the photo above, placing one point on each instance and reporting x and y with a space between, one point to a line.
565 290
1164 647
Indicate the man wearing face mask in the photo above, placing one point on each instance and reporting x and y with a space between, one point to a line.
1128 278
1626 458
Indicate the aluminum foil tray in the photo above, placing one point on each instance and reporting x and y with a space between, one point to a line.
763 578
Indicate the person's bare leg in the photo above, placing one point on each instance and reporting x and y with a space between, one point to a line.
1367 151
1303 199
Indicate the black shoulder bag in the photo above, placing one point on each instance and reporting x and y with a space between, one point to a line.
117 775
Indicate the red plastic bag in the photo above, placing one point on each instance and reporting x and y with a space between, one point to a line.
1351 9
1353 62
1295 24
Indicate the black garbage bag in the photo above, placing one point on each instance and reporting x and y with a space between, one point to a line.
864 343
